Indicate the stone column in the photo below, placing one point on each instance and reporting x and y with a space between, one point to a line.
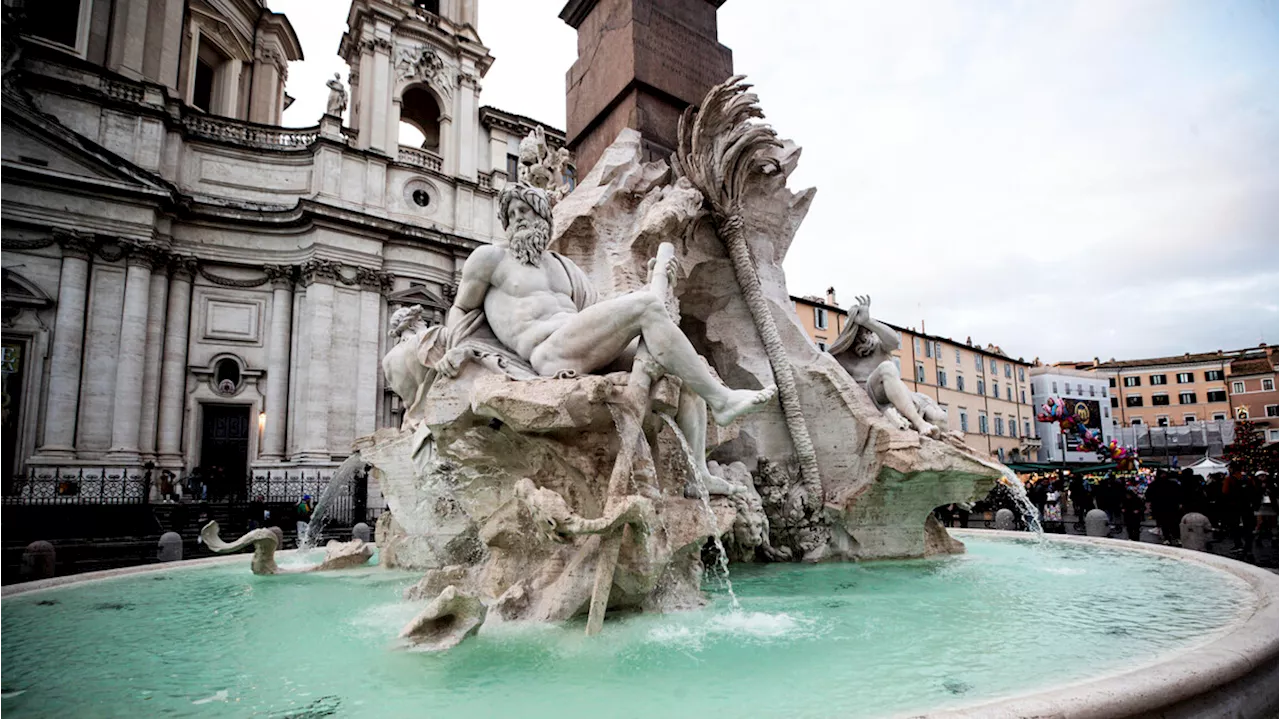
372 285
156 307
277 409
173 366
67 349
382 80
469 100
107 282
128 37
131 358
318 276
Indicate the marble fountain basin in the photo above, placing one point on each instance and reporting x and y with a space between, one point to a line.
1069 627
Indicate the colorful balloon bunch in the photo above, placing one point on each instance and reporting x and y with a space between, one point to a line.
1055 410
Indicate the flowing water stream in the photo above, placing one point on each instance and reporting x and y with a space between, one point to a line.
339 483
1018 491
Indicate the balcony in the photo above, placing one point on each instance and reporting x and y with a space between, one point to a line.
221 129
419 157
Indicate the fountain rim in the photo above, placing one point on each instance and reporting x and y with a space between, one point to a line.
1227 656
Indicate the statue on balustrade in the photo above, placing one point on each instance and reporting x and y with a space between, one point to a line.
337 97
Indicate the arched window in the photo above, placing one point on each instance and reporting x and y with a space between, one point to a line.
226 376
420 111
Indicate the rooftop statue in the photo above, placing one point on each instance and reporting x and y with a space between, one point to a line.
337 97
542 168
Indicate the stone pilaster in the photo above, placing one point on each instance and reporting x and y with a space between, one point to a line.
107 283
277 408
319 277
131 358
67 350
372 286
173 366
156 308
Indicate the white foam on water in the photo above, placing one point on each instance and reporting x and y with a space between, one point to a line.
1064 571
219 696
12 694
756 624
382 620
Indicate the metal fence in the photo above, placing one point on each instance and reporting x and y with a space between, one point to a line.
79 485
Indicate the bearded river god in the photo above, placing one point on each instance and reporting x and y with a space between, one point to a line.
528 300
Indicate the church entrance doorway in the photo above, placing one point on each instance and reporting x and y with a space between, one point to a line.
224 450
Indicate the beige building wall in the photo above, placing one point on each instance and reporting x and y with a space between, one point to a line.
961 378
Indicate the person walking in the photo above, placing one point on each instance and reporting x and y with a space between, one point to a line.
1081 499
1134 511
1163 495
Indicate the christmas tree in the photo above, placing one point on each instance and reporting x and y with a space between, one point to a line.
1249 452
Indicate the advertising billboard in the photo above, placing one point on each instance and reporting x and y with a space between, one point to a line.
1089 413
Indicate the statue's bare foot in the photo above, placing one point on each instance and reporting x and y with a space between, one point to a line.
929 430
715 486
740 402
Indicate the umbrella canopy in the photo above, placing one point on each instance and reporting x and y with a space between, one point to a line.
1207 466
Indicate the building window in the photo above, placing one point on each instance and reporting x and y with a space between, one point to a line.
1026 428
1008 370
1186 378
1273 435
820 318
960 382
1160 400
1135 422
1188 418
1000 426
1013 427
1219 416
1273 410
1237 387
431 6
920 372
1268 385
982 423
1132 381
1055 387
977 362
822 346
995 389
1024 396
1022 374
57 21
916 342
1162 421
1187 398
937 350
1111 381
1115 401
964 421
1216 395
1008 393
1133 401
957 356
982 388
1213 375
995 369
1066 388
942 378
897 364
1157 379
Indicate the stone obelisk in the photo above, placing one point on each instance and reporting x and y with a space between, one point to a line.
640 63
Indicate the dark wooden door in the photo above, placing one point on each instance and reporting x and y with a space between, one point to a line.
224 450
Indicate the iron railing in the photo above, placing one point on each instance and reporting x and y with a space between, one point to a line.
79 485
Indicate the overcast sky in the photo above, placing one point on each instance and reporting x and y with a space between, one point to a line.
1064 179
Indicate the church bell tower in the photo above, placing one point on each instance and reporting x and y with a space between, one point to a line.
419 62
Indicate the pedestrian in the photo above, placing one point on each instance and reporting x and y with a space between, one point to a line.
1053 505
1194 498
1163 494
1081 498
1235 505
1134 511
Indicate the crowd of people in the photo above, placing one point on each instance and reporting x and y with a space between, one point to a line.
1241 506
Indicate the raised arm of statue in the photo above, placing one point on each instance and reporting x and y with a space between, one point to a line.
861 316
476 274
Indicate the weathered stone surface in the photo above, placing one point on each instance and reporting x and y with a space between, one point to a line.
345 555
447 620
544 405
615 219
362 532
1005 520
38 561
1195 531
1096 524
170 548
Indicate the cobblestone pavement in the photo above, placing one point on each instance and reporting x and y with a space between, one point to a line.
1261 552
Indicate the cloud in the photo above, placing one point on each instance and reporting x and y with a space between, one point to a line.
1065 180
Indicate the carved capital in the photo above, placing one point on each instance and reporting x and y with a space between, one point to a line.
369 279
280 276
112 250
318 270
74 244
148 256
183 267
375 44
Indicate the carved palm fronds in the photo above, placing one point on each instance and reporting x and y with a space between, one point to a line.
719 149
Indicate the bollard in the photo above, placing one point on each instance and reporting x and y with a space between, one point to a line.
1005 520
170 547
1096 524
38 561
279 536
362 532
1196 530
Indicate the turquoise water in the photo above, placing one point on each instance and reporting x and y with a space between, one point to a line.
809 641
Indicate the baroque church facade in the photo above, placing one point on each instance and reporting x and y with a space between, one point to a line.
189 284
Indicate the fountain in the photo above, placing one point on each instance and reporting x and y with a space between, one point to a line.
545 485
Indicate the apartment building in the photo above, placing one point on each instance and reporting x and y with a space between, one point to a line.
1252 390
1087 395
986 393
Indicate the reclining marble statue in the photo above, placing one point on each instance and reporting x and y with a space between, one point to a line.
865 350
536 314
